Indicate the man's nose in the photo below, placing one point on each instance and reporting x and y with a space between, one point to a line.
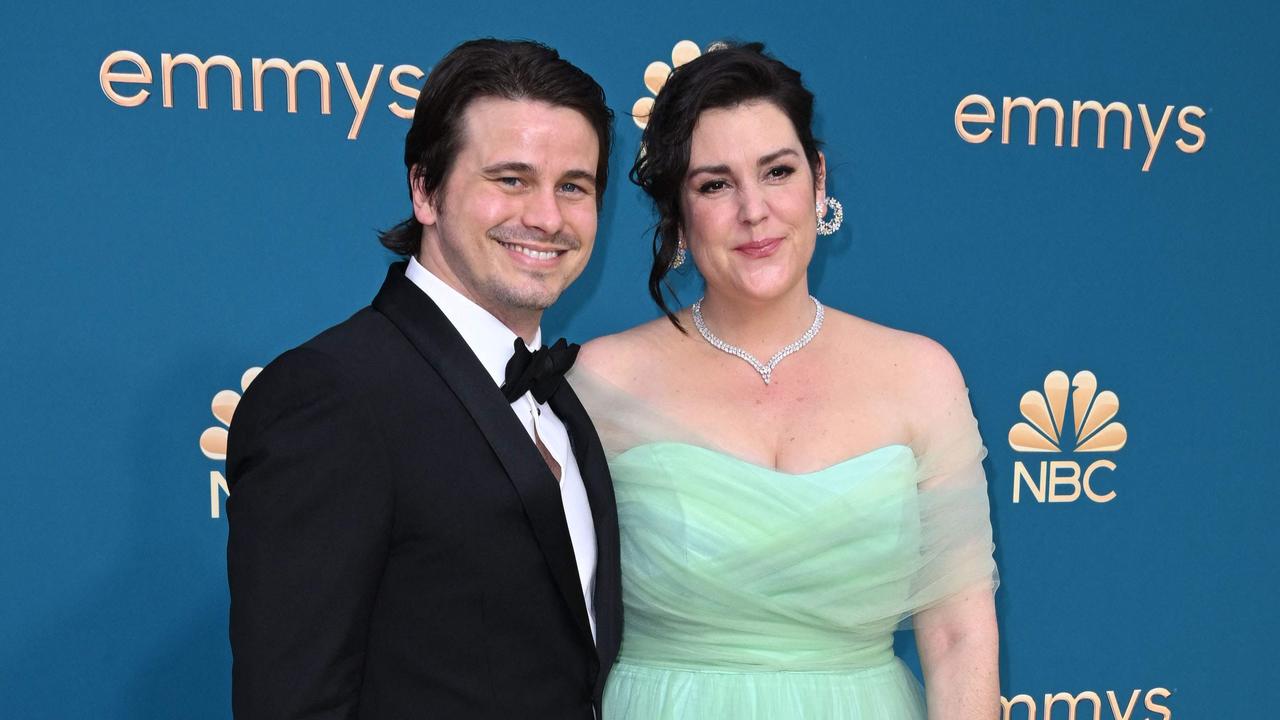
542 211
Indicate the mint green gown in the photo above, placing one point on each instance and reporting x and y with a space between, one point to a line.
753 594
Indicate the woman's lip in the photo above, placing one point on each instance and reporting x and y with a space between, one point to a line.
760 248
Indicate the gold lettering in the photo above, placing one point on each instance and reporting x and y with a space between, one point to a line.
1155 707
167 63
1153 137
1194 130
1020 473
1078 108
1056 478
260 67
1033 110
1088 489
107 76
406 90
1072 701
1006 706
217 489
361 101
1115 707
988 116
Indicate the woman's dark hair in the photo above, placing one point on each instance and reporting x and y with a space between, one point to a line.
722 78
508 69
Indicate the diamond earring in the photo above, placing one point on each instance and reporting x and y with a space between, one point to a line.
678 259
828 227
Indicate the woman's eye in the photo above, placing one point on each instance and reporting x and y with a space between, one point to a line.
781 171
712 186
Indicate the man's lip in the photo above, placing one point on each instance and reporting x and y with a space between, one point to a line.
535 248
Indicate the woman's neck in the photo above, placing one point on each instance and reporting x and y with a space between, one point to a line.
759 327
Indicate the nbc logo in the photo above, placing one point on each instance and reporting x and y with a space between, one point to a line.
213 441
1092 431
655 76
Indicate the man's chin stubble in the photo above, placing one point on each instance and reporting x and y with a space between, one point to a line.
518 300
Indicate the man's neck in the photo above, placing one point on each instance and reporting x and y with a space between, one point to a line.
521 321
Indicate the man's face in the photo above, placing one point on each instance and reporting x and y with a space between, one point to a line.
518 217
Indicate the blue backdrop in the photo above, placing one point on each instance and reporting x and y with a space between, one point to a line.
153 254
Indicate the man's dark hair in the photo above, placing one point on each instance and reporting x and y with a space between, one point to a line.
722 78
507 69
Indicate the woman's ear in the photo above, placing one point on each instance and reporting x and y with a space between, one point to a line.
820 181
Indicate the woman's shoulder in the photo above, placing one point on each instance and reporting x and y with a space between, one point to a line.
630 356
920 369
915 373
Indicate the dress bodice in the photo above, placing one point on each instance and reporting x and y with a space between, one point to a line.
729 564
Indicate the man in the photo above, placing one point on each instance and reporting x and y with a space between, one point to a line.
421 520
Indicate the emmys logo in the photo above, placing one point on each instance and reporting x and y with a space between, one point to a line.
213 441
976 110
1067 705
1093 431
655 77
125 76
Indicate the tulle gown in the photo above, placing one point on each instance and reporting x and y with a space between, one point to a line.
754 594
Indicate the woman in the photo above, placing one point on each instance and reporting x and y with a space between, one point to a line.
779 520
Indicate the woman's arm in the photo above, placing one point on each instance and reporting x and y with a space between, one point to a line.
957 637
959 651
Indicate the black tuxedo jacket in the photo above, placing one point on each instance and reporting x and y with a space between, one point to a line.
397 545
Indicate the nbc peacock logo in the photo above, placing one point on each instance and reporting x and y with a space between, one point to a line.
213 441
656 74
1092 429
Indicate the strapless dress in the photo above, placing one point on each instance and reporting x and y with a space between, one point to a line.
755 594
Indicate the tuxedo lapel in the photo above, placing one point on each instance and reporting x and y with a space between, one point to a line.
440 344
595 477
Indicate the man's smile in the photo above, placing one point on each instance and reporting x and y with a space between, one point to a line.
531 252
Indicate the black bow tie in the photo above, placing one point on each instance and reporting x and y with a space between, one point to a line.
539 372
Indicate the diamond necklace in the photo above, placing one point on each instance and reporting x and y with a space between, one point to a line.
765 369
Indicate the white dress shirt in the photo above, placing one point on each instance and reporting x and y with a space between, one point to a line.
492 343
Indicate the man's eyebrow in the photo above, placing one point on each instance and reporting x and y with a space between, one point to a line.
578 174
510 166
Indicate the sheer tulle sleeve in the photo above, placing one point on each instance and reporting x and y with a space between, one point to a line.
621 419
955 541
894 531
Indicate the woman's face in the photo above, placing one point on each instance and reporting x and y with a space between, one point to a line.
749 201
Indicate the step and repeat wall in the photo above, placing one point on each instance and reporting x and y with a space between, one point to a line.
1077 199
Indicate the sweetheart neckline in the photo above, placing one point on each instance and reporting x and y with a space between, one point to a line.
720 453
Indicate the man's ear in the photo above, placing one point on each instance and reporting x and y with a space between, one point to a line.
424 209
